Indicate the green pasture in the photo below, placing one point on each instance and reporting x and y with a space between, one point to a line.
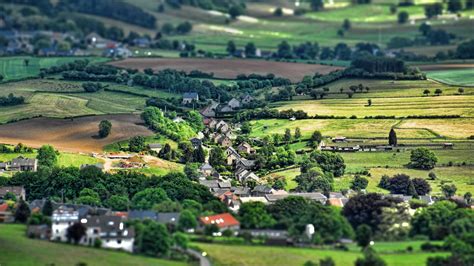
463 77
18 249
14 67
259 255
64 159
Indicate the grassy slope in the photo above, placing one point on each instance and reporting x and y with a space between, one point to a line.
64 159
17 249
275 256
454 77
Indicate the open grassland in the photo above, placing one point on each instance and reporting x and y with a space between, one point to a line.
228 68
400 107
64 159
459 128
17 249
454 77
14 67
75 135
276 256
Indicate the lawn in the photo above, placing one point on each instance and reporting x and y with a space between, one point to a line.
276 256
14 67
17 249
64 159
399 107
454 77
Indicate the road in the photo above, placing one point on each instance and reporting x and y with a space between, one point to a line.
203 261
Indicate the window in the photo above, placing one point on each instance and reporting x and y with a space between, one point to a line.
96 231
119 241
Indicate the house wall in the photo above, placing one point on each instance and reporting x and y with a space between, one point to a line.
59 230
125 244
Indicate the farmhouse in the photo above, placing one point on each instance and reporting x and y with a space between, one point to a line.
206 169
19 192
244 147
223 221
234 104
190 97
62 218
22 164
232 155
246 99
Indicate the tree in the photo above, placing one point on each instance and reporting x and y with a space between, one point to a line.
392 138
346 25
231 48
433 10
369 102
461 90
359 183
316 138
287 135
187 220
217 157
184 27
278 12
363 235
424 28
47 208
393 9
146 199
454 6
76 232
328 261
370 259
192 171
403 17
166 153
350 94
421 186
246 128
438 92
448 190
88 196
154 240
136 144
317 5
254 216
399 184
426 92
250 49
432 176
47 156
235 11
329 162
104 128
297 133
118 203
9 196
199 155
22 212
422 158
181 240
468 198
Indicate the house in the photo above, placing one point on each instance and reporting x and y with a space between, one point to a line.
230 200
196 142
232 156
339 139
448 146
261 190
42 231
427 199
178 119
18 191
234 104
253 199
211 184
62 218
246 99
190 97
222 127
225 185
270 236
210 110
224 141
142 215
156 147
142 42
224 221
245 164
206 169
243 175
23 164
244 147
271 198
6 216
241 191
168 217
110 230
117 52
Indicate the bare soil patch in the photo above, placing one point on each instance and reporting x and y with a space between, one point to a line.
72 135
228 68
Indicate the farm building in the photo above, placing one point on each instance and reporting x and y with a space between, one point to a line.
223 221
19 192
190 97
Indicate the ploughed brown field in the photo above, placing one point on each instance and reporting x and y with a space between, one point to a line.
72 135
435 67
228 68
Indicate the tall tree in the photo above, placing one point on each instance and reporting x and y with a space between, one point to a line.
105 126
76 232
22 212
47 156
392 138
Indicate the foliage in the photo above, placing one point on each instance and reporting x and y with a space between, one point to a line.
47 156
39 219
76 232
118 203
363 235
422 158
88 196
22 212
253 215
11 100
392 138
370 259
329 162
136 144
187 220
156 120
153 239
359 183
105 126
146 199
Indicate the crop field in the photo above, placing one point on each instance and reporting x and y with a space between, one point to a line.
228 68
14 67
454 77
73 135
400 107
39 252
259 255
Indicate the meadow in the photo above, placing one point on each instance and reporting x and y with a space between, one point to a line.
454 77
39 252
393 253
13 68
64 159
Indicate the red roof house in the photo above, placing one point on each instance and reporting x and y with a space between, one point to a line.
223 221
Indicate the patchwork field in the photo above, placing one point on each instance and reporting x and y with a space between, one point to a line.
393 254
463 77
14 67
38 252
228 68
74 135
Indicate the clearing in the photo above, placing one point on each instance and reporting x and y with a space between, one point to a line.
73 135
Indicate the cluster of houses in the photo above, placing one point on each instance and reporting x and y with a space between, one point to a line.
20 164
217 109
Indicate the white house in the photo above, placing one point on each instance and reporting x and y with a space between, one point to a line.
62 218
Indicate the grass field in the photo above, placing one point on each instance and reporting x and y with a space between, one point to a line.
276 256
14 67
17 249
64 159
454 77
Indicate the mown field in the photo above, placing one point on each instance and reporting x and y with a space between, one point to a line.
393 253
17 249
14 67
64 159
454 77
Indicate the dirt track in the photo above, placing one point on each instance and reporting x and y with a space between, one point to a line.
228 68
72 135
